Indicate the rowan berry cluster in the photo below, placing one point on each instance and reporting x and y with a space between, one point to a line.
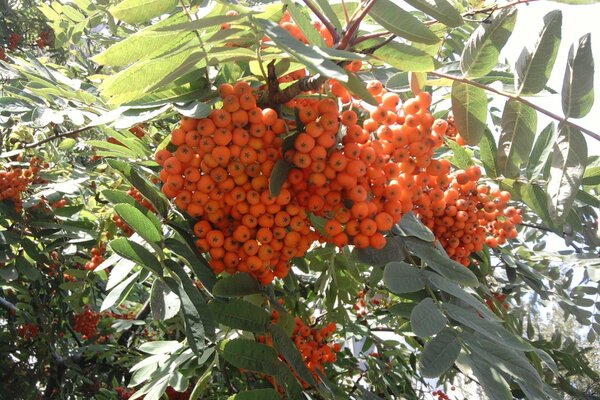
496 301
451 131
96 258
85 323
28 331
440 395
44 39
124 393
13 40
219 174
464 215
173 394
312 343
14 180
368 181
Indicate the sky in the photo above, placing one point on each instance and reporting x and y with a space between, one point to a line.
577 21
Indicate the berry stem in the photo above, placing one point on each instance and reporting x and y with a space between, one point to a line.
520 99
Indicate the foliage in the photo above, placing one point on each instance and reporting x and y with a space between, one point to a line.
108 291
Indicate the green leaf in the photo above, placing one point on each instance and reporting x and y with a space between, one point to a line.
536 198
426 319
443 284
117 295
159 347
410 225
284 346
461 158
199 321
503 358
400 277
440 10
469 107
578 84
136 11
329 13
541 151
405 57
439 354
179 244
568 162
136 80
492 382
533 68
591 176
241 284
138 222
240 314
490 329
306 54
145 43
401 23
252 356
443 264
211 21
146 189
480 54
137 253
278 176
392 251
519 123
164 303
487 153
256 394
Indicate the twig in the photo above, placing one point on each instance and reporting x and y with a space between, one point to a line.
324 21
354 24
346 18
187 13
56 136
495 7
519 99
369 36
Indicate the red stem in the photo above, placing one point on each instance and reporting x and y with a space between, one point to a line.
354 24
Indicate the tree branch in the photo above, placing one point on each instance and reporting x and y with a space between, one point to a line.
305 84
519 99
56 136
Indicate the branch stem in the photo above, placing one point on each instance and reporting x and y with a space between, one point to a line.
57 136
519 99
